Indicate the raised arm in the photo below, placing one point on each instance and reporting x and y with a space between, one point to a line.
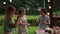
15 24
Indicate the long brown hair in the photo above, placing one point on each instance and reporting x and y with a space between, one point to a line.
8 11
21 10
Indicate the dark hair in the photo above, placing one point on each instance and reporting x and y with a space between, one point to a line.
8 11
10 8
21 9
43 10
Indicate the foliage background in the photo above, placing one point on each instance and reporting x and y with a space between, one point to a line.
30 5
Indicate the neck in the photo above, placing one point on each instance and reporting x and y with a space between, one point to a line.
21 15
43 15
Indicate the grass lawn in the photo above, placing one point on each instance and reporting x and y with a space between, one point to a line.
31 29
28 17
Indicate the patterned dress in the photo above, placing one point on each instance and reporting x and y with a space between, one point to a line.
7 28
22 29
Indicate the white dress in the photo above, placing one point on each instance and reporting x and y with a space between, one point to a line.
21 28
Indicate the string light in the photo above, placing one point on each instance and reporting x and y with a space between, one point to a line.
49 7
48 0
4 2
10 0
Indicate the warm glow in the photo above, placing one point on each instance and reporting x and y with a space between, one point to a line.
10 0
48 0
47 13
49 7
4 2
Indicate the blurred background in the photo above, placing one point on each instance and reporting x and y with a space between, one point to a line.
31 7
